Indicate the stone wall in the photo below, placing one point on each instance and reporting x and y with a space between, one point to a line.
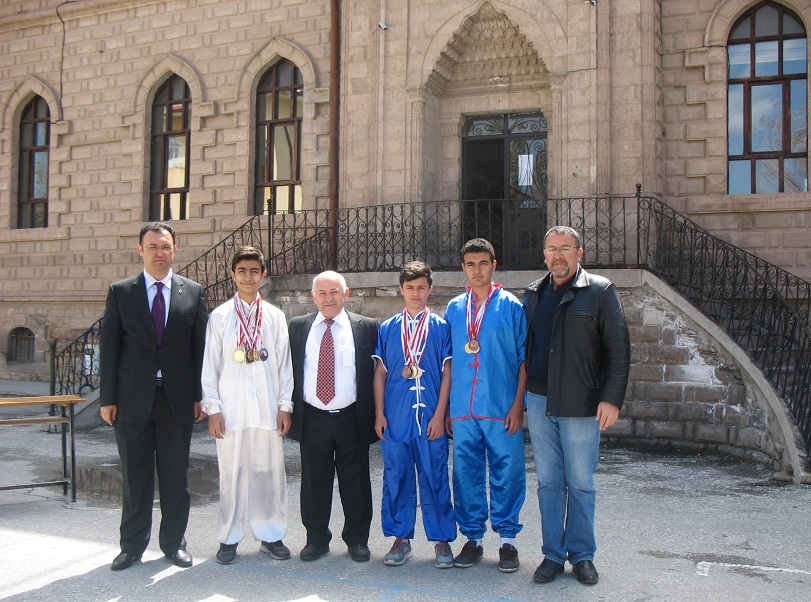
50 321
116 56
776 227
686 392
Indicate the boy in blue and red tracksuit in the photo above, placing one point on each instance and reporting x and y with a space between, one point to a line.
488 333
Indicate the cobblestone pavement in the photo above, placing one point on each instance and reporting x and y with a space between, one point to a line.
670 526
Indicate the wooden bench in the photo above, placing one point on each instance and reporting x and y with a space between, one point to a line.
65 418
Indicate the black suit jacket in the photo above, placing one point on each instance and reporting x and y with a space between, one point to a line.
130 357
364 331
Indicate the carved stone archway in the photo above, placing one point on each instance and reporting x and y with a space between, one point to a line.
488 65
487 51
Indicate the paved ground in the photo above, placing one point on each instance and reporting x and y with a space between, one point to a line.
670 527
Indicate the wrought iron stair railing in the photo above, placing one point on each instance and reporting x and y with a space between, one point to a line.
763 307
383 237
212 268
75 369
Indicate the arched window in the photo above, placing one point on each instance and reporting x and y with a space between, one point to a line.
171 143
35 141
21 345
278 140
767 102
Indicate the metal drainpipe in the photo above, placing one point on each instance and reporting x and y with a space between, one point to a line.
334 122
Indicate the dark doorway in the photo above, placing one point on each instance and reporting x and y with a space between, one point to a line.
504 179
483 190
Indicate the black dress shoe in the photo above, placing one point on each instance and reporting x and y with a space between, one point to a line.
313 551
586 572
359 552
180 558
546 571
124 560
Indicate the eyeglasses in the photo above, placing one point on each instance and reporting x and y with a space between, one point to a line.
563 249
156 248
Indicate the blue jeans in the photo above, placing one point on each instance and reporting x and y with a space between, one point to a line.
566 452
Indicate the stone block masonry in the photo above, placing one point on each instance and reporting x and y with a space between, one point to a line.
686 392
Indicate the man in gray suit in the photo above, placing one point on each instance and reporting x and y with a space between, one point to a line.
334 416
152 341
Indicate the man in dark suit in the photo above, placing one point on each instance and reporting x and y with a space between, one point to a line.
334 416
152 341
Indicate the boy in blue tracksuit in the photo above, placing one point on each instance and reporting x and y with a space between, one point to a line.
411 387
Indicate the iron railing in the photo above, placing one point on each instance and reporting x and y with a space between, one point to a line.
383 237
763 307
300 242
212 269
75 369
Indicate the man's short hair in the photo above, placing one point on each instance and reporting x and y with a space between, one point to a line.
156 227
333 275
564 230
250 254
478 245
414 270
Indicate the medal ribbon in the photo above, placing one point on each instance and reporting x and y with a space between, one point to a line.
249 325
413 348
414 345
474 323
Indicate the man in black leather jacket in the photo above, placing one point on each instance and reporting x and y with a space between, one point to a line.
578 359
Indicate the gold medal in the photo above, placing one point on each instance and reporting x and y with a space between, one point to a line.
249 329
415 372
473 346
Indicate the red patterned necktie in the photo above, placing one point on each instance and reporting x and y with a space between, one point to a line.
325 380
159 313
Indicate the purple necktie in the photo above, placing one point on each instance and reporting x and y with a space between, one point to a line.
159 313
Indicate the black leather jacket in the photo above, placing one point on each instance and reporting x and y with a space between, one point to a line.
590 352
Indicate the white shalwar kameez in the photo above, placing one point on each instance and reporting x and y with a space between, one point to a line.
253 489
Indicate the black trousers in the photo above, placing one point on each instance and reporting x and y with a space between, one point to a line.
164 443
330 444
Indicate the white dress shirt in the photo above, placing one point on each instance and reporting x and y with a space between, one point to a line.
345 385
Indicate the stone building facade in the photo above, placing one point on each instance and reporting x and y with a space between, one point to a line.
615 92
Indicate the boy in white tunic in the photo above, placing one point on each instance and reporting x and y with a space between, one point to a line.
247 393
